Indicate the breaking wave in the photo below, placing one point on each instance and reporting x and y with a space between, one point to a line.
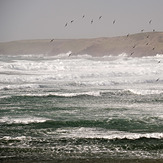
22 120
94 133
67 106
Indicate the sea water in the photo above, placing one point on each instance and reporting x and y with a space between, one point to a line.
81 107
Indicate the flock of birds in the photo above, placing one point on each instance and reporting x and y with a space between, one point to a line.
66 24
90 21
147 37
113 22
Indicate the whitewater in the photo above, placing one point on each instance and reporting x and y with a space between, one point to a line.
81 107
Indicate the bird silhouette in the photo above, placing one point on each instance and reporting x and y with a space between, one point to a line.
51 40
66 24
69 54
134 46
91 21
114 22
157 79
132 53
100 17
150 21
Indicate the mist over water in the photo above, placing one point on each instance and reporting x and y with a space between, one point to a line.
65 107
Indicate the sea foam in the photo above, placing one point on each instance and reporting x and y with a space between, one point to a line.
88 71
22 120
102 134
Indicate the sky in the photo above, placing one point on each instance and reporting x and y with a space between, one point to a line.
46 19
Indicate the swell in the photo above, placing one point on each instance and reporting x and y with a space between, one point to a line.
114 124
82 147
127 125
153 94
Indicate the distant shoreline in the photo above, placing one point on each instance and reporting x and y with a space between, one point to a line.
135 45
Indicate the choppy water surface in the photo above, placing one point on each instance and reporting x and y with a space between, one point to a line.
81 107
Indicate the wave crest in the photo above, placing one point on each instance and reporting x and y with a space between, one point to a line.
101 134
144 92
92 93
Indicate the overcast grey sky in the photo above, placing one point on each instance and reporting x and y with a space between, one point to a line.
46 19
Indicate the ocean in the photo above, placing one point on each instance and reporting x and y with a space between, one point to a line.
58 108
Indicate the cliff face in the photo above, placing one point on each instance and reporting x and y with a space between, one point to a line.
141 44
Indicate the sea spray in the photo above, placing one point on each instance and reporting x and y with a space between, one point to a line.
81 107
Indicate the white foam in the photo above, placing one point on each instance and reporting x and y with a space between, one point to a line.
6 96
145 92
91 93
122 55
20 86
64 54
159 55
90 71
22 120
100 133
14 138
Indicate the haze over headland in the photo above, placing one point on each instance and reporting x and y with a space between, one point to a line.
136 45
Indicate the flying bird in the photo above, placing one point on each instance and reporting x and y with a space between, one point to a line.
159 61
72 21
128 35
69 54
114 22
142 30
83 16
51 40
132 53
153 48
157 79
100 17
91 21
147 43
134 46
150 21
66 24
